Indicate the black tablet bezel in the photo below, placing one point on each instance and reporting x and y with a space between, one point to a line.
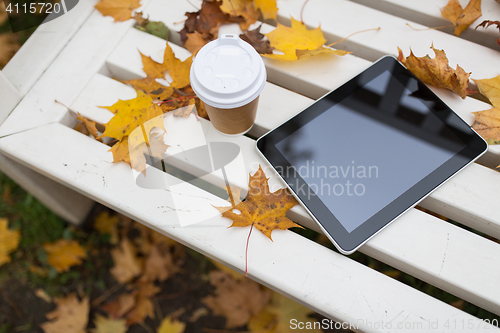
349 242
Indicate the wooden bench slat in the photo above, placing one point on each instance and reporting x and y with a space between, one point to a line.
327 282
428 13
418 243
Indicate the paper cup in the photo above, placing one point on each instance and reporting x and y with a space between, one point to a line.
228 75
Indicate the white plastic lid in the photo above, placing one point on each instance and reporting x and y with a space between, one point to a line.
228 73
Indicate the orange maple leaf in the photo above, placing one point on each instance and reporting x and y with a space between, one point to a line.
297 41
460 17
64 253
121 10
436 71
262 209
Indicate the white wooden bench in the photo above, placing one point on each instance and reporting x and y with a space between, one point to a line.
38 135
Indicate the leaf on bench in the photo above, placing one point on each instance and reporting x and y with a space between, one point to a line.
460 17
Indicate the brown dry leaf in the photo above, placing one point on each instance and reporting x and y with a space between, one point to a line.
256 39
436 71
278 313
144 306
137 113
206 21
40 293
168 325
127 265
297 37
120 306
485 24
140 19
89 125
120 10
108 325
238 301
107 224
194 42
263 209
487 124
9 241
9 44
64 254
461 17
70 316
268 8
159 265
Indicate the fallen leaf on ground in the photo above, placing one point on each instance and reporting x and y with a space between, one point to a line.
437 71
120 10
107 224
9 241
70 316
159 265
277 315
9 44
168 325
64 254
256 39
108 325
297 37
268 8
487 23
144 306
487 124
462 17
491 89
127 265
263 209
120 306
40 293
194 42
238 301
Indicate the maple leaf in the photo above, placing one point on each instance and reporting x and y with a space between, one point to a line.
144 306
243 8
70 316
131 115
120 10
168 325
194 42
108 325
268 8
487 123
106 224
437 71
9 241
297 37
127 265
206 21
140 146
238 301
262 209
120 306
485 24
276 316
256 39
159 265
64 254
460 17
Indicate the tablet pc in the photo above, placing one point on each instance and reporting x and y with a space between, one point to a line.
368 151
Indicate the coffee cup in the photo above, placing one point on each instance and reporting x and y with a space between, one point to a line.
228 76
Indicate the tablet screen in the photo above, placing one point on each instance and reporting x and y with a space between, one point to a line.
373 163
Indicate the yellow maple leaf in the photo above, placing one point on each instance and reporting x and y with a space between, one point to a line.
131 115
108 325
290 40
437 71
70 316
263 209
127 264
268 8
243 8
460 17
491 89
9 241
64 254
168 325
107 224
120 10
320 50
487 124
